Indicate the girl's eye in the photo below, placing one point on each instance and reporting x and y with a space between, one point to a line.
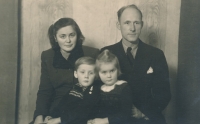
103 72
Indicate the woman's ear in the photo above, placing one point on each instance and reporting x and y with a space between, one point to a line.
75 74
118 25
55 38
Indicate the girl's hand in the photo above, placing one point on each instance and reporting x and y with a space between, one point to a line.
38 119
54 121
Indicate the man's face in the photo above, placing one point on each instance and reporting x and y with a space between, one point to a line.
130 25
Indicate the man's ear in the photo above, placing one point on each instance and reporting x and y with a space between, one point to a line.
142 23
75 74
118 25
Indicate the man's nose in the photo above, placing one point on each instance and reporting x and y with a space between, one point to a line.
132 27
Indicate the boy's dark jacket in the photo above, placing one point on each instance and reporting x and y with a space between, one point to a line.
77 106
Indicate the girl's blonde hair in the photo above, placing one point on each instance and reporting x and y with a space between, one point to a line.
107 57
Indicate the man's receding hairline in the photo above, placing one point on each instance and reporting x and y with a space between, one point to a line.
131 7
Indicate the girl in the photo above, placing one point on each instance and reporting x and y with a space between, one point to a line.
57 66
115 104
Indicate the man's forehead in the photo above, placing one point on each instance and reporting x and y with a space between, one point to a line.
130 14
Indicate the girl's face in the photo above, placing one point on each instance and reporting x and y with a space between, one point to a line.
108 73
85 74
66 38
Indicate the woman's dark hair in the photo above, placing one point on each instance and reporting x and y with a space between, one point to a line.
63 22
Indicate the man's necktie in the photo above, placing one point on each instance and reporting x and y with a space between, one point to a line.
130 56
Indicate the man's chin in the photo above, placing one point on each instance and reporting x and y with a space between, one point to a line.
134 41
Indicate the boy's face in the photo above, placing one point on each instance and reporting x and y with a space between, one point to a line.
108 73
85 74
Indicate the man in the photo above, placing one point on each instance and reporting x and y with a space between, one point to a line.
143 66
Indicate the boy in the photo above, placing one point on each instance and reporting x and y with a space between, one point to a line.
76 106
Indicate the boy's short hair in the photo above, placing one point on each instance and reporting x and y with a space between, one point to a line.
107 57
84 60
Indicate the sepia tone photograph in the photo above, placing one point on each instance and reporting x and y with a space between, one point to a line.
99 62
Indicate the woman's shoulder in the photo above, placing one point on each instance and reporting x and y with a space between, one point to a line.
90 51
49 53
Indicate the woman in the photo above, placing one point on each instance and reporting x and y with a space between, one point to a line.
57 66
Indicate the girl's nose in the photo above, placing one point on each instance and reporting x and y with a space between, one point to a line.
108 74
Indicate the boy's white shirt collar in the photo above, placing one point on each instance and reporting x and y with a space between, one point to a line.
107 88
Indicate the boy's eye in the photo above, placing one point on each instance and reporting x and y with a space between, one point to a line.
91 73
82 71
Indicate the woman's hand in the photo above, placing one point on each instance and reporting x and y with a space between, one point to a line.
38 119
90 121
54 121
98 121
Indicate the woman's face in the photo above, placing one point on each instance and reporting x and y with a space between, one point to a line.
66 38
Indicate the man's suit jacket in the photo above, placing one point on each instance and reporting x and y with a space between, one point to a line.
149 78
56 80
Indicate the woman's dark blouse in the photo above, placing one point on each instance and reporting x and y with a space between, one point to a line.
57 77
77 106
116 105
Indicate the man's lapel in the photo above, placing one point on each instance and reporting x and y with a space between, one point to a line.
142 58
120 53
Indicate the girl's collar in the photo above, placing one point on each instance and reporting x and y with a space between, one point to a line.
106 88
